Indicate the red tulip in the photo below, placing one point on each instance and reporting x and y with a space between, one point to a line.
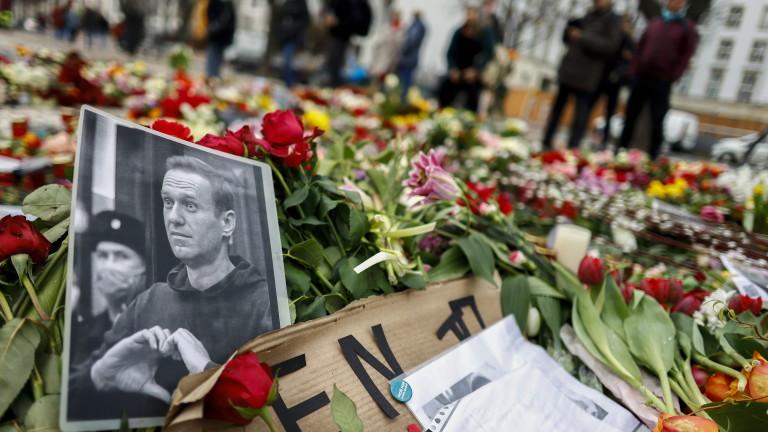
657 288
675 291
173 128
627 291
742 303
19 236
718 387
700 376
591 271
505 204
687 305
227 144
245 383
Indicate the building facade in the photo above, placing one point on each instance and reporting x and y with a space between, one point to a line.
730 65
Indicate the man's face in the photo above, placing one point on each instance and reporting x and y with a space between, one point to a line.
676 5
195 229
119 271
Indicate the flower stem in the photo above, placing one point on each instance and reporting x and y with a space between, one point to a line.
666 392
30 288
324 280
5 308
279 177
336 235
650 397
696 392
717 367
264 414
681 393
731 352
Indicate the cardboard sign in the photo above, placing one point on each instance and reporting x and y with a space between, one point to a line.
359 349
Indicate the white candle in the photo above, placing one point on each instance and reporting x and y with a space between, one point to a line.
571 243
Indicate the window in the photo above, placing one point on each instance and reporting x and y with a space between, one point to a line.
684 85
764 19
757 55
715 81
724 50
734 16
748 84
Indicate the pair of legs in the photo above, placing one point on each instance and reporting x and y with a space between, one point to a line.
450 90
405 75
334 61
583 107
656 93
289 53
214 59
611 91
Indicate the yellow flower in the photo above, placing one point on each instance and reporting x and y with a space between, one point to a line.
265 102
155 113
758 190
317 118
656 190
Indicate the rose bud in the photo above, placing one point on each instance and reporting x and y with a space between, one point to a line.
718 387
243 390
19 236
591 271
700 376
685 424
757 385
742 303
517 258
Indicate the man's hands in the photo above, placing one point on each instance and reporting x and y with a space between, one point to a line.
130 365
574 34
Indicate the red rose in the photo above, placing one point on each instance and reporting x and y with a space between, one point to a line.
568 210
227 144
246 384
700 276
18 236
505 204
173 128
657 288
687 305
281 129
413 427
245 135
591 271
742 303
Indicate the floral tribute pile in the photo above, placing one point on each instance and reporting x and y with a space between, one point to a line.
377 195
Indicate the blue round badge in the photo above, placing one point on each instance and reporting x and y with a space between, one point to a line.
401 390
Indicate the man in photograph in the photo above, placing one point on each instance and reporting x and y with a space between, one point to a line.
211 303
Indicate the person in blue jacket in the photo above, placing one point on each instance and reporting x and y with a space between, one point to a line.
409 54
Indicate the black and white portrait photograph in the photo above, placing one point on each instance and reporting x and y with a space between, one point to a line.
174 263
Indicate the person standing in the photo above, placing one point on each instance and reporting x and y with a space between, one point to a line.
615 77
221 33
663 54
591 40
294 20
59 20
409 53
133 26
343 19
95 26
470 50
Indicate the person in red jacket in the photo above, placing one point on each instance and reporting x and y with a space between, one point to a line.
661 58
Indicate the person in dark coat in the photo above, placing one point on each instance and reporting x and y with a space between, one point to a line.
95 26
470 50
133 26
294 21
615 77
662 56
591 41
211 303
222 21
409 53
343 19
119 272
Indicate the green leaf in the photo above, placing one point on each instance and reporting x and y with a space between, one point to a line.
18 341
325 167
309 252
739 416
358 284
57 231
613 350
344 412
296 278
414 281
551 311
297 197
334 303
309 311
326 204
50 203
50 370
540 288
292 312
651 336
615 309
43 416
358 225
309 220
20 407
516 299
581 333
567 281
380 182
479 255
453 264
332 255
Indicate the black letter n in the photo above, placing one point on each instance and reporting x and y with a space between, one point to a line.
353 351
